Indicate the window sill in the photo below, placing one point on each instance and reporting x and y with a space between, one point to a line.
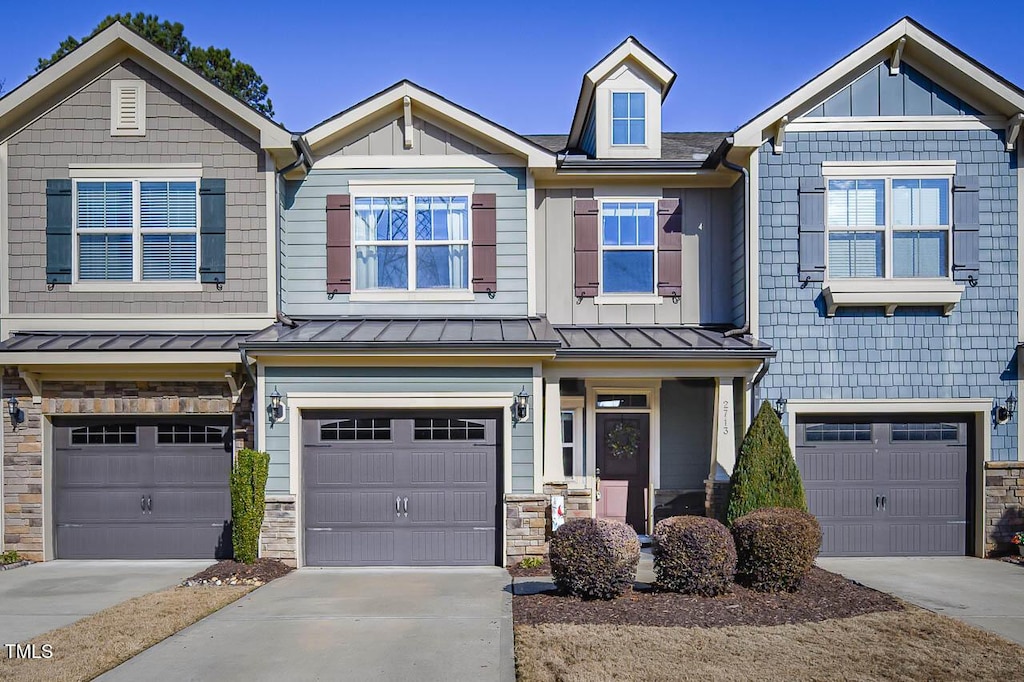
405 296
628 299
891 293
134 287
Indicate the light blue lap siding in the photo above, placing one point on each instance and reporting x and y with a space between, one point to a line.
304 244
426 380
918 353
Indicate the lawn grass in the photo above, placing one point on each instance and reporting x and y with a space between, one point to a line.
908 645
95 644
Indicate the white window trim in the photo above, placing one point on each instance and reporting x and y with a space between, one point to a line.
612 117
136 283
631 297
574 405
379 189
874 169
141 171
117 130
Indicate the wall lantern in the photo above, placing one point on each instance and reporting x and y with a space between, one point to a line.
521 407
275 410
780 407
17 414
1005 412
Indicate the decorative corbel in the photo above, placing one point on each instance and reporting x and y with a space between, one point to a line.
235 386
780 134
897 57
35 385
407 118
1013 130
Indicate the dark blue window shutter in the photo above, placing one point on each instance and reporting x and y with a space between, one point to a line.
966 222
212 230
58 231
812 229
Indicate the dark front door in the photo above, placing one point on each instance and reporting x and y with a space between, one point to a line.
142 489
623 464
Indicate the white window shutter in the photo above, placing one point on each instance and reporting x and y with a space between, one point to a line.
127 107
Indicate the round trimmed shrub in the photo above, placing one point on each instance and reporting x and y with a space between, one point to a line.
775 548
594 558
693 555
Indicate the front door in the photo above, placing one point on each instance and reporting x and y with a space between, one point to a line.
623 465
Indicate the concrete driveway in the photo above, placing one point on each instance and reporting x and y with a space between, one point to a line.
347 624
38 598
982 592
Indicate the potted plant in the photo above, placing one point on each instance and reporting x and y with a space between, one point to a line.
1018 539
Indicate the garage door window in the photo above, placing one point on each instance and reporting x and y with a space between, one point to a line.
105 434
929 431
188 434
448 429
832 433
356 429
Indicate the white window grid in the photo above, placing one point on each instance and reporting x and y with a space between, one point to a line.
653 248
889 228
627 118
136 230
410 242
573 406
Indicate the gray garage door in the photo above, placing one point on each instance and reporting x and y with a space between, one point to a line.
128 489
399 490
883 488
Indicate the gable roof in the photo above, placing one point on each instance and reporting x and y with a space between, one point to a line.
924 49
630 48
112 45
323 133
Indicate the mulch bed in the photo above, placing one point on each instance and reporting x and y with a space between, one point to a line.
518 571
822 596
1013 559
230 572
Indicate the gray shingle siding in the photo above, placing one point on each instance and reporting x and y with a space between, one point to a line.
178 130
918 353
739 245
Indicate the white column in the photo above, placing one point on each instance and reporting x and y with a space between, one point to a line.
723 448
552 430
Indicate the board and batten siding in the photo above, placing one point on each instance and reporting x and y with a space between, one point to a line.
426 380
178 130
387 138
707 254
304 244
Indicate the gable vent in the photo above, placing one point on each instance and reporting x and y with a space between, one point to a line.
127 108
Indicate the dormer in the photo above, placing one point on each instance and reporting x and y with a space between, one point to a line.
618 114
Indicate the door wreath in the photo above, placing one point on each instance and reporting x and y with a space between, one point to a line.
622 441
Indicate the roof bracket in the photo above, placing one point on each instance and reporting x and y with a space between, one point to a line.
780 134
407 119
1013 130
897 57
235 386
35 385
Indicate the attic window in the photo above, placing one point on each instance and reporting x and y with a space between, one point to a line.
127 107
628 118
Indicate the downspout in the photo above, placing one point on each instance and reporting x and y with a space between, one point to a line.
745 329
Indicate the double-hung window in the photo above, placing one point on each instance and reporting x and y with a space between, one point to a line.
628 247
430 252
136 230
629 118
894 227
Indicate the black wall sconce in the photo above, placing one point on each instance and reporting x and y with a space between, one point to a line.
17 414
275 410
521 407
780 407
1005 411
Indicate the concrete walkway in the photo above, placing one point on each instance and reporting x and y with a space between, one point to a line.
348 624
41 597
986 593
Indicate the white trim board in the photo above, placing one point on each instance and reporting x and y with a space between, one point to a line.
134 171
869 123
346 162
888 168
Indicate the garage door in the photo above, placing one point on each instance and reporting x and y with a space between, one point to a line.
892 487
127 489
399 490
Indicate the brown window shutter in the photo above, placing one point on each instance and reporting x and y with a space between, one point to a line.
485 245
585 246
670 247
339 244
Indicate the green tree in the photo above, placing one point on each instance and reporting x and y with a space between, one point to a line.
766 474
248 503
215 64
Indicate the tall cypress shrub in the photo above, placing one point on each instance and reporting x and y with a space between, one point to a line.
766 474
248 500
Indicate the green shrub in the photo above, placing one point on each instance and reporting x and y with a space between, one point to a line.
10 557
693 555
531 562
765 474
248 499
775 548
594 558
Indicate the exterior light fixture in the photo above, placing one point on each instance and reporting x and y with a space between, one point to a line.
780 407
521 407
1005 411
275 410
17 414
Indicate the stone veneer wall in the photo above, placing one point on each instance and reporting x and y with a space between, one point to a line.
716 499
528 520
278 536
23 447
1004 504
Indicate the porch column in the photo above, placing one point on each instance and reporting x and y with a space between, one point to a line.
723 448
552 430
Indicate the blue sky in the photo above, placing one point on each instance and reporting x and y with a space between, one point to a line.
520 63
